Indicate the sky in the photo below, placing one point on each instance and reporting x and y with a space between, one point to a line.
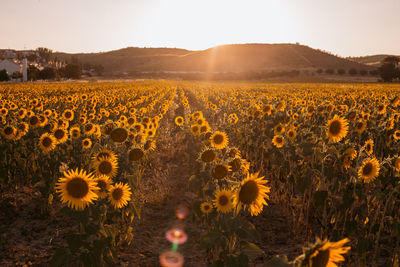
342 27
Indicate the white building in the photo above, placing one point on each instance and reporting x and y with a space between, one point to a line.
10 67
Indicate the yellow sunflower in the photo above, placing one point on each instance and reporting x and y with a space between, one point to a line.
9 132
279 129
369 170
351 152
149 145
77 188
206 207
103 183
219 140
337 128
291 134
106 166
208 155
397 164
86 143
252 193
195 129
104 153
223 201
119 135
278 141
361 125
61 135
328 254
179 120
47 142
119 195
396 134
369 147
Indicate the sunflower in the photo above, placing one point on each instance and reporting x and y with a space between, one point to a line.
327 254
337 128
86 143
104 153
252 193
75 132
220 171
205 128
291 134
103 183
223 201
369 147
278 141
149 145
351 152
89 128
68 115
119 135
106 166
34 122
381 109
119 195
279 129
396 134
219 140
195 129
61 135
135 154
206 207
369 170
47 142
9 132
77 188
361 125
208 155
397 164
267 109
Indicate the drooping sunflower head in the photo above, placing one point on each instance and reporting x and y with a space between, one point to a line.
351 152
369 170
223 201
103 183
337 128
47 142
252 193
219 140
206 207
106 166
135 154
220 171
119 195
77 188
119 135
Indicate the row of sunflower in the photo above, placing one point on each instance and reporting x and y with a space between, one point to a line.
331 153
221 178
99 137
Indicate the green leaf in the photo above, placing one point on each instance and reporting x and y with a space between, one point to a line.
60 258
251 249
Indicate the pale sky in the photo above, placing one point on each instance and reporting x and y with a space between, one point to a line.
343 27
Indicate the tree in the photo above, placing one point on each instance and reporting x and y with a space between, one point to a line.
329 71
47 73
352 71
4 76
363 72
73 71
33 73
341 71
389 70
99 69
45 53
16 75
32 57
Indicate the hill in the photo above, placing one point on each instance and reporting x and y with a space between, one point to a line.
374 60
224 58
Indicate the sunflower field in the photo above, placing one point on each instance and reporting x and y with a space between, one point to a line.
175 173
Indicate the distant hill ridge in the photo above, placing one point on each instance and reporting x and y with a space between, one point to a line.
224 58
252 57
